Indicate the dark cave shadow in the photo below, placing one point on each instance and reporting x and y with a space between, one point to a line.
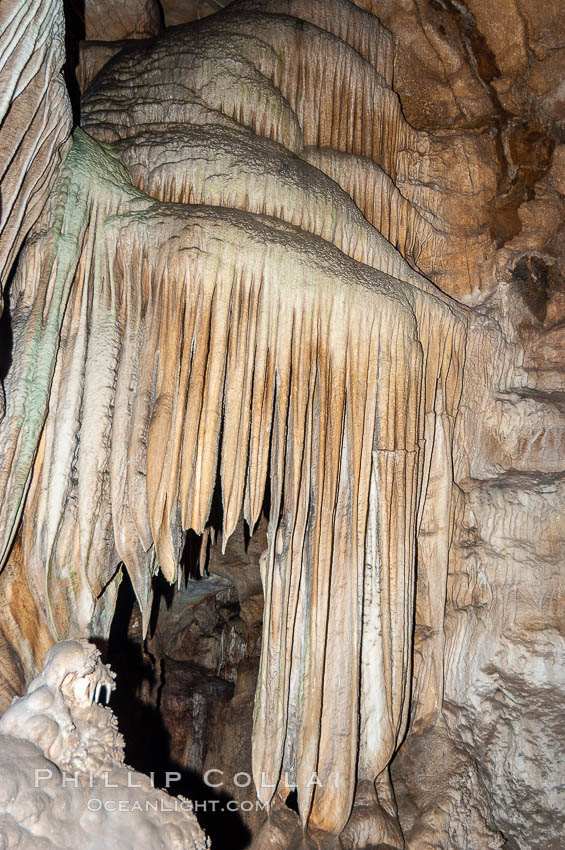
75 31
147 741
190 559
191 554
6 331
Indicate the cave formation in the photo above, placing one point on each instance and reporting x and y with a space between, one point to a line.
282 426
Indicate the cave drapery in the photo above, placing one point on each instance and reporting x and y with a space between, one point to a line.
222 287
169 340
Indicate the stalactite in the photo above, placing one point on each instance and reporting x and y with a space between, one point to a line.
240 325
223 299
340 18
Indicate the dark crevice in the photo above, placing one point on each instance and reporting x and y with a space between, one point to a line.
6 331
291 801
137 702
536 282
74 34
524 151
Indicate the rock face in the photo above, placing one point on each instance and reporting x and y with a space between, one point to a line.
108 21
506 574
178 12
224 295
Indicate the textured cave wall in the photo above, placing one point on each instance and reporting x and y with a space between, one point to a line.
473 198
504 611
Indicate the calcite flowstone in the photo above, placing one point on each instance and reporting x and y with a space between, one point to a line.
35 117
63 781
225 288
